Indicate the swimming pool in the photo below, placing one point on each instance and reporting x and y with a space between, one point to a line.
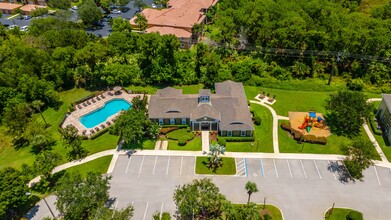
98 116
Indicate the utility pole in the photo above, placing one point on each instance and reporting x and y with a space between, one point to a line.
264 203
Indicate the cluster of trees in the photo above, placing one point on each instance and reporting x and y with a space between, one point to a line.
202 199
133 125
346 112
310 25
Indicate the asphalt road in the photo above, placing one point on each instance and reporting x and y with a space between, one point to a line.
302 189
104 31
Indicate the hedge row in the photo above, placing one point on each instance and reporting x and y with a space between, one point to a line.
298 136
177 126
373 126
239 139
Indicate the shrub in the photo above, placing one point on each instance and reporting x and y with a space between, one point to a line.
182 141
257 120
177 134
222 141
285 127
355 85
166 130
239 139
354 215
373 126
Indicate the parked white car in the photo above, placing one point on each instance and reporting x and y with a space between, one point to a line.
115 11
74 7
153 6
24 28
12 27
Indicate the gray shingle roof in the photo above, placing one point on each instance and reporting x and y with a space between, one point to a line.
204 92
387 100
229 105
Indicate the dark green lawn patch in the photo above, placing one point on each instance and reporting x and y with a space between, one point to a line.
99 165
333 146
144 145
270 210
192 145
263 134
341 214
228 167
175 135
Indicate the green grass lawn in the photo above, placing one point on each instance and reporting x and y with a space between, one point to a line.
295 100
270 210
193 145
176 134
186 89
99 165
144 145
9 156
263 134
340 214
228 168
190 89
333 146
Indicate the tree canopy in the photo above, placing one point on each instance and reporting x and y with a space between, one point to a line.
200 199
346 112
75 197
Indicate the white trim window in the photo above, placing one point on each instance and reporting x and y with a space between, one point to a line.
242 133
229 133
172 121
183 121
160 121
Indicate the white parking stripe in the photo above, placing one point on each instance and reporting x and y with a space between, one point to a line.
289 167
139 171
127 166
154 165
302 166
168 164
180 171
377 176
161 210
263 171
145 212
275 167
317 169
331 170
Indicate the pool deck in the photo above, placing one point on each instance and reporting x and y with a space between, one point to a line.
73 118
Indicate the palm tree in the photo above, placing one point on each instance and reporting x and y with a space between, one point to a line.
141 21
250 188
37 104
215 151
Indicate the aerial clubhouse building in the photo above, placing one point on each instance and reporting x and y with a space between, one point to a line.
225 111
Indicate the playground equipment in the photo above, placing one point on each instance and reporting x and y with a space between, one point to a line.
310 121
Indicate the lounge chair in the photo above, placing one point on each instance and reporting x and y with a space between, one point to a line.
97 129
84 131
93 100
102 126
98 98
79 107
85 105
108 123
103 97
109 93
88 102
92 131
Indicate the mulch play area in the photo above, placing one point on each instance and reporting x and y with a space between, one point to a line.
309 123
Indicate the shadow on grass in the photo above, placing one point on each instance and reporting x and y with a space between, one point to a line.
341 171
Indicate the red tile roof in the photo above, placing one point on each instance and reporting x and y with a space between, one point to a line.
31 7
9 6
178 32
181 14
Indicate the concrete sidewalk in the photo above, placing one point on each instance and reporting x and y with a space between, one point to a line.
205 140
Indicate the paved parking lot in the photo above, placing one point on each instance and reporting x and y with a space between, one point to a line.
148 182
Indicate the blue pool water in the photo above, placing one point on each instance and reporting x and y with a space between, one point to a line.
111 107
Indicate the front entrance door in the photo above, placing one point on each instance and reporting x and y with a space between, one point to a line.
205 126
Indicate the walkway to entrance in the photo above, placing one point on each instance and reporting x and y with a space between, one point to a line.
205 141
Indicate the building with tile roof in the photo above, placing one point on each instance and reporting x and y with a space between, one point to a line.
384 115
225 111
178 19
8 8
